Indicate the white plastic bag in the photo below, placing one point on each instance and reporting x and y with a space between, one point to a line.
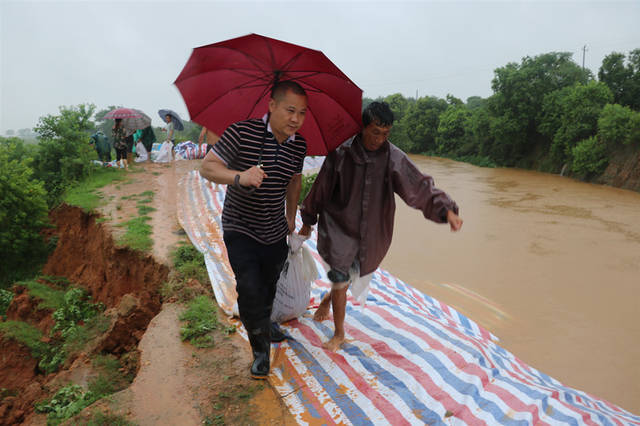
142 153
164 155
294 285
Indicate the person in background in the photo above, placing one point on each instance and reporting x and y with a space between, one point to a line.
101 143
353 197
169 129
120 143
146 136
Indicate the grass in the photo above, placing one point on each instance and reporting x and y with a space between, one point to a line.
145 210
138 231
50 297
189 262
49 356
84 195
138 234
201 320
25 334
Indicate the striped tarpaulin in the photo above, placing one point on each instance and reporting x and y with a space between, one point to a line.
408 359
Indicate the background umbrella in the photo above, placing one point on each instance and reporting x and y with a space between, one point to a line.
131 124
231 81
175 118
122 113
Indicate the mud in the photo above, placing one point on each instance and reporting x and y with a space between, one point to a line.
125 281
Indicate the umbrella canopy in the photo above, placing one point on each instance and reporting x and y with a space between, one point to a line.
122 113
131 124
175 118
231 81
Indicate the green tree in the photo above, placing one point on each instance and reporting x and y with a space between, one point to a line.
478 131
474 102
622 77
615 74
516 105
64 154
618 125
23 213
421 123
573 115
589 157
451 137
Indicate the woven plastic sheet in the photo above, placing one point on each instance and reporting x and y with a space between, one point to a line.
408 359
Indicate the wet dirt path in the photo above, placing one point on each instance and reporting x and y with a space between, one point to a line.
171 387
159 395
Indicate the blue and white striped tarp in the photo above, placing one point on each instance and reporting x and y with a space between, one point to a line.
408 359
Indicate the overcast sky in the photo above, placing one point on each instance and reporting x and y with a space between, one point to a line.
56 53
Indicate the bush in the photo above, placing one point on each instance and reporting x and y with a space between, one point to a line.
6 297
589 157
23 213
66 403
64 154
76 308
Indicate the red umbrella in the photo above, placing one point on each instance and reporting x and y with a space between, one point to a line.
122 113
231 81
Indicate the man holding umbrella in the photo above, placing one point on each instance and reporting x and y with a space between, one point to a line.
261 162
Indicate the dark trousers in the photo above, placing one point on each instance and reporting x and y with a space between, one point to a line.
257 268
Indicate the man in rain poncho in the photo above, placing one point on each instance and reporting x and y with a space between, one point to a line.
354 198
101 144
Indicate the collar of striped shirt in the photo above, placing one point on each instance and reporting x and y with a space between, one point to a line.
264 120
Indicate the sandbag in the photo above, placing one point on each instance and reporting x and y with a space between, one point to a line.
294 285
143 155
163 154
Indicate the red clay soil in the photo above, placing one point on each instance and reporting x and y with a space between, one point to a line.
86 255
124 280
24 307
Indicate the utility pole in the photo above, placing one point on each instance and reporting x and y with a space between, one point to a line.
416 94
584 49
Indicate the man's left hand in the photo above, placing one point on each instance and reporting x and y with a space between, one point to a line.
292 224
455 222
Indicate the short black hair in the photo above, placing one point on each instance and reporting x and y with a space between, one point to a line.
280 89
378 113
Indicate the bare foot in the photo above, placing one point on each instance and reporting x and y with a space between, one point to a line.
334 343
322 313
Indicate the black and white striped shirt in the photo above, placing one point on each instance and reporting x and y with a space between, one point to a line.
261 214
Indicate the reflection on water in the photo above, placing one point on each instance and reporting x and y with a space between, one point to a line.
549 265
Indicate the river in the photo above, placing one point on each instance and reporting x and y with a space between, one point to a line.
549 265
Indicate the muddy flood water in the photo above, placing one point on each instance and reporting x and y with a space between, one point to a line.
549 265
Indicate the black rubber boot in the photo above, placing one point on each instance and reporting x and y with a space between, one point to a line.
260 340
277 334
